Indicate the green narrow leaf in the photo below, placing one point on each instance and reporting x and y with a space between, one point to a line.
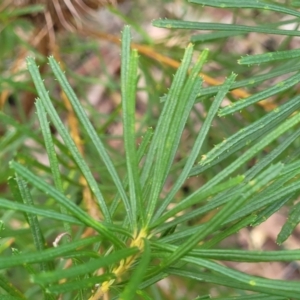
153 280
192 86
292 221
266 160
145 143
47 213
128 82
196 198
213 203
291 166
166 114
46 255
173 125
178 24
245 256
144 295
222 280
263 200
49 145
43 94
269 195
254 80
276 89
198 143
85 268
285 126
10 289
14 188
28 268
231 207
67 203
91 132
270 210
51 154
231 230
269 57
247 135
87 283
201 38
273 192
140 153
38 238
138 274
267 286
254 4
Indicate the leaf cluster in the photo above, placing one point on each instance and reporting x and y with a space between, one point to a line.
148 230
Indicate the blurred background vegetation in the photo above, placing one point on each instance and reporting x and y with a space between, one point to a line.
87 44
